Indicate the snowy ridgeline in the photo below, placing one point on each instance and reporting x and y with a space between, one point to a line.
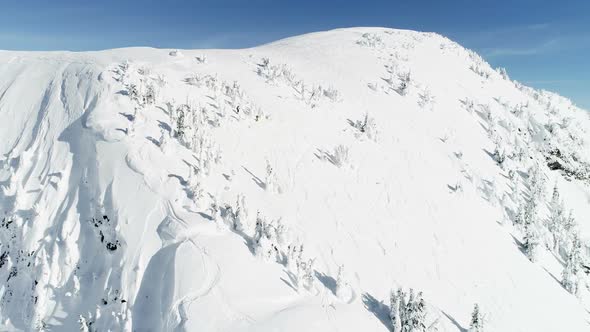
358 179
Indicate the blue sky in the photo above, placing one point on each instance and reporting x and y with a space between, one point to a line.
545 44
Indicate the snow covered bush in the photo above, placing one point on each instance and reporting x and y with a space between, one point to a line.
201 59
370 40
340 156
367 126
468 105
332 94
426 99
275 73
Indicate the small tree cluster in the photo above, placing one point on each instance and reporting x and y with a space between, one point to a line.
269 239
270 242
237 217
143 93
480 71
311 95
407 311
275 73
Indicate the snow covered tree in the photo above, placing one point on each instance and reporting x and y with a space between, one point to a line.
341 155
163 141
271 179
407 313
194 189
180 125
149 96
404 83
241 214
571 273
557 220
476 324
341 284
531 239
394 310
367 127
305 276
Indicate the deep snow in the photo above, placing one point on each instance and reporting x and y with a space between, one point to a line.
104 225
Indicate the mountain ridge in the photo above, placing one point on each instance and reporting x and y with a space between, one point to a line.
133 181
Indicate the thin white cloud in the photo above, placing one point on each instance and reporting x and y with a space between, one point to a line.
548 46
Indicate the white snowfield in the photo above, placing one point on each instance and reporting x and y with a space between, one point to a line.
131 182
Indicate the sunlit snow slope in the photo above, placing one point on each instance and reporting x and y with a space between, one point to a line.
132 180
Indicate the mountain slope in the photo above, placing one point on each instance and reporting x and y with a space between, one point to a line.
123 172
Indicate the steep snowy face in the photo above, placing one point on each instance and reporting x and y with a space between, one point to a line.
290 187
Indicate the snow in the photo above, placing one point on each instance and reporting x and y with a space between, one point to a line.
417 202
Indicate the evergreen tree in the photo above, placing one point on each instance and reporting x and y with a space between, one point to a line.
531 241
557 220
394 310
340 283
570 275
476 324
180 126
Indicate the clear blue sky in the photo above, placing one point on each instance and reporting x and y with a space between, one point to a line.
545 44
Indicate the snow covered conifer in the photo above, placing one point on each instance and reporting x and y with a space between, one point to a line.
180 126
571 272
241 214
531 241
340 283
404 83
394 310
420 316
163 141
305 276
557 220
476 324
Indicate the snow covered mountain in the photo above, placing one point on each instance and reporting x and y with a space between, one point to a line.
289 187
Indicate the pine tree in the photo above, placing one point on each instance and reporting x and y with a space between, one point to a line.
401 298
570 275
241 214
394 310
531 240
340 283
557 219
476 324
419 323
180 127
